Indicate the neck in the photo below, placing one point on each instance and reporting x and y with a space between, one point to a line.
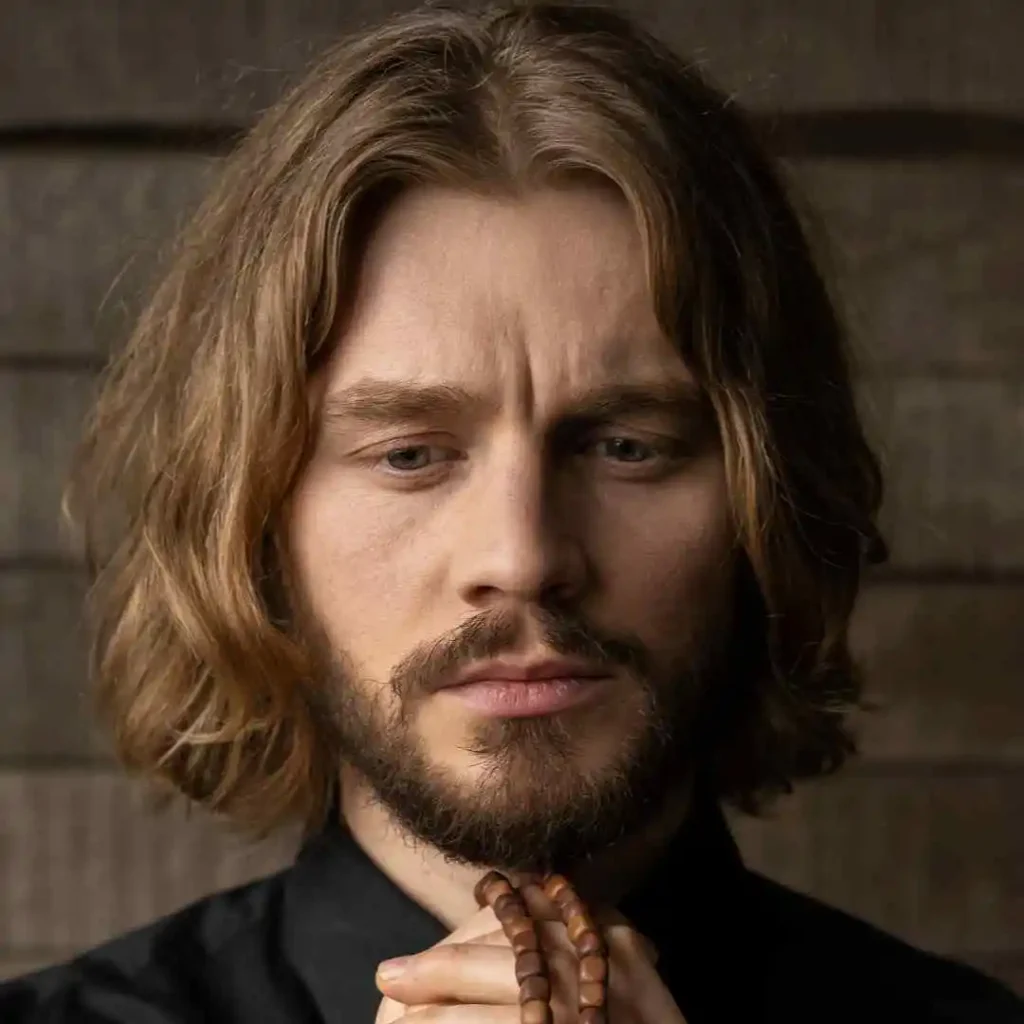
445 889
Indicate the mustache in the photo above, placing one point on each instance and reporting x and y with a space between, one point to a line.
491 634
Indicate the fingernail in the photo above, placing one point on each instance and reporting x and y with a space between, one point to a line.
388 970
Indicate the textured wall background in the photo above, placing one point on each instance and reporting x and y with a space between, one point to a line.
903 121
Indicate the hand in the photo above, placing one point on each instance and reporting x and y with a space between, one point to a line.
469 977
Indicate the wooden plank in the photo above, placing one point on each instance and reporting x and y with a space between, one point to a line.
952 448
83 857
197 61
41 413
937 861
79 241
942 664
927 260
47 713
927 256
953 451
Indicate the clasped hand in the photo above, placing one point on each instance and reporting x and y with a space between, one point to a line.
469 976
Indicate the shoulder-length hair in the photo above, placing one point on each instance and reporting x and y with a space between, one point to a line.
203 421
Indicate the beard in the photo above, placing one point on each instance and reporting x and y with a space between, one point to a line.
535 805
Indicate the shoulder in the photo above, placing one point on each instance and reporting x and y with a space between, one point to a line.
167 972
833 952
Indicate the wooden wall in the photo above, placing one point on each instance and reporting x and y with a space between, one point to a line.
904 122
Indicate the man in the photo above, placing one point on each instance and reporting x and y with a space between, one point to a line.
483 488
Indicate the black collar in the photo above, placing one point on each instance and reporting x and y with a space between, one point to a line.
342 915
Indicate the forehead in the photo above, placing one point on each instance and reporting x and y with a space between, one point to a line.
539 295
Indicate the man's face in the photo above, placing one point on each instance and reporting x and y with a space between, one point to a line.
514 520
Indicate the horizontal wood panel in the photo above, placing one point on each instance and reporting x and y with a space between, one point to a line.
200 61
47 710
953 455
83 857
80 238
952 448
936 861
41 415
943 666
927 256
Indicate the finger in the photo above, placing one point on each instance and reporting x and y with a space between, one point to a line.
539 904
634 986
458 972
481 1014
389 1011
481 923
615 926
624 937
552 935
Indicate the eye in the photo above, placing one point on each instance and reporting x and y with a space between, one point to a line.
409 458
629 449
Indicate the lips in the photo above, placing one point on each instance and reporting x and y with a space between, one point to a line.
532 671
518 698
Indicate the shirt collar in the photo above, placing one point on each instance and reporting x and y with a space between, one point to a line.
342 914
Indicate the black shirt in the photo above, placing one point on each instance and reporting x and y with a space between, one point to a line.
302 946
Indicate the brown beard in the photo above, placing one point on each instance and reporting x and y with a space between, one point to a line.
535 809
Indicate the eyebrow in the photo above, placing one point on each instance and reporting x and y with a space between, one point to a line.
389 402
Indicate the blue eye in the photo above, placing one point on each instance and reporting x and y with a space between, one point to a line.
401 464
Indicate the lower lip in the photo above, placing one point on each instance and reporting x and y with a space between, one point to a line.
506 698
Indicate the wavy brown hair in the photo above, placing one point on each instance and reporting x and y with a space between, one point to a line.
203 421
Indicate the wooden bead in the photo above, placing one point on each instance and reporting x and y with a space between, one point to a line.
529 965
593 1015
524 942
590 944
537 987
577 926
518 926
565 898
572 908
508 911
591 994
490 887
593 968
536 1011
555 884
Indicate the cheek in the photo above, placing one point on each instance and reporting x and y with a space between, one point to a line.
675 563
356 558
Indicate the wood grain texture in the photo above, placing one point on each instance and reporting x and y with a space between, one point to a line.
952 449
953 454
927 257
945 666
83 857
197 61
938 862
80 238
41 414
927 260
47 712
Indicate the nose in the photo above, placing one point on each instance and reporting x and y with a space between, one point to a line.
518 538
